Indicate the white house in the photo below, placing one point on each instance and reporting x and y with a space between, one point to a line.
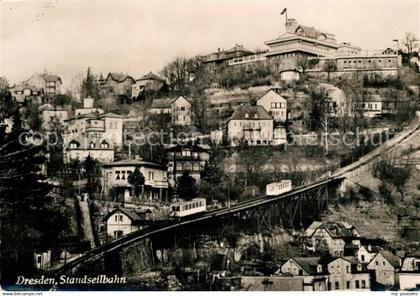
336 236
80 148
107 126
251 124
366 253
275 105
181 111
310 269
123 221
385 266
88 107
345 273
409 275
372 106
115 177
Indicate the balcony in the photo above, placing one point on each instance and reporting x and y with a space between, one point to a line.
95 126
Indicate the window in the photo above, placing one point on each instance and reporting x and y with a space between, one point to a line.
348 284
362 258
377 263
246 115
383 263
123 175
363 284
348 269
337 285
319 268
121 218
357 284
300 272
38 259
186 153
74 144
118 175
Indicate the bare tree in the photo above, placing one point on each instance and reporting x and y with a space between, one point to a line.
410 41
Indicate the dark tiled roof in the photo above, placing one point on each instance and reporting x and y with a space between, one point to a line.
339 229
130 213
394 260
309 31
237 51
110 114
21 87
134 162
150 76
50 77
119 77
240 112
162 103
374 98
308 264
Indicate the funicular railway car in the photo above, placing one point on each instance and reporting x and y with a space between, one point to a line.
186 208
276 188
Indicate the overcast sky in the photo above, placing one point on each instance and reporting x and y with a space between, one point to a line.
65 37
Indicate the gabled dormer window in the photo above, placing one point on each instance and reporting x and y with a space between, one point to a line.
256 115
74 144
246 115
319 268
104 145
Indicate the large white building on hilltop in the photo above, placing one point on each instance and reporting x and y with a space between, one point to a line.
300 42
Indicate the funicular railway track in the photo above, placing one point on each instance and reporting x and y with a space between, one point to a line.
236 208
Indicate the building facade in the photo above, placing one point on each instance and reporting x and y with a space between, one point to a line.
80 148
49 83
275 105
338 237
115 177
181 111
117 84
188 157
346 273
250 124
148 82
385 266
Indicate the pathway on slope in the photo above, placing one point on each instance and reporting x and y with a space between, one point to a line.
86 222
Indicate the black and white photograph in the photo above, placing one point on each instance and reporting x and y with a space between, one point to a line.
238 145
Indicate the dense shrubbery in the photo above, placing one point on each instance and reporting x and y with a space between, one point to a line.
232 77
376 80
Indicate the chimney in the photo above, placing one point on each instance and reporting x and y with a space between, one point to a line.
369 248
291 25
